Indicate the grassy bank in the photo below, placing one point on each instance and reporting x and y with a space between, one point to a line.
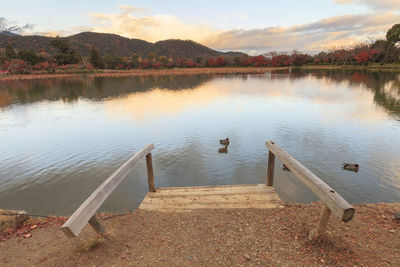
355 67
146 72
188 71
213 237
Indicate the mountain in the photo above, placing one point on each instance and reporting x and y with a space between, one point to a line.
116 45
9 33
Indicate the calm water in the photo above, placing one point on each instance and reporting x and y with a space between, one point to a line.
61 138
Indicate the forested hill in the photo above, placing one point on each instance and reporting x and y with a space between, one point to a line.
115 45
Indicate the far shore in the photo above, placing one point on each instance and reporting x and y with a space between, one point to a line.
145 72
187 71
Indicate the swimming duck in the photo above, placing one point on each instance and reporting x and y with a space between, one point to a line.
350 167
223 150
224 142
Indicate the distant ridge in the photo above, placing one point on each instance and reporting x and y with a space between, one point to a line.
9 33
115 45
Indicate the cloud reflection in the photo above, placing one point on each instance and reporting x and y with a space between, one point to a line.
335 99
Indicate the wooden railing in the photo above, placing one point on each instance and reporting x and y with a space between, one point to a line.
86 212
333 201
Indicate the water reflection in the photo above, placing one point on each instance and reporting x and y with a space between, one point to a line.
93 88
60 138
384 84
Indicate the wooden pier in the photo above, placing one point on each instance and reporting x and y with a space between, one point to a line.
185 199
180 199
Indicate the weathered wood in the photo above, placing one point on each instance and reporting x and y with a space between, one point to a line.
181 199
337 204
81 216
322 224
96 225
271 165
150 175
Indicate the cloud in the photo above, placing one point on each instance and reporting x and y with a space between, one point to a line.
241 16
327 33
129 9
5 25
150 28
373 4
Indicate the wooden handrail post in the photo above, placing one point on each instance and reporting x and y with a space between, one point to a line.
150 174
86 211
271 164
322 224
96 225
335 202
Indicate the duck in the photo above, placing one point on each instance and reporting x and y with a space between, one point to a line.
223 150
224 142
285 168
350 167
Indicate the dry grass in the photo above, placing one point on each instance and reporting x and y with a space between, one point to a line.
90 244
127 73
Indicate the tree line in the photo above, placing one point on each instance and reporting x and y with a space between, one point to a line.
383 51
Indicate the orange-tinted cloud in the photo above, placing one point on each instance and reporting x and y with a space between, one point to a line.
327 33
374 4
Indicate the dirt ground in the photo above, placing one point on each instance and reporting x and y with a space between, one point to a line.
273 237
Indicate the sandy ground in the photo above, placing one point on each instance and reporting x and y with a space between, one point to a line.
273 237
127 73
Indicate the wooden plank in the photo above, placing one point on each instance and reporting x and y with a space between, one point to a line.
81 216
214 206
150 175
336 203
322 224
212 197
219 189
271 165
96 225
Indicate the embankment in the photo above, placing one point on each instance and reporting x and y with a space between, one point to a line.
213 237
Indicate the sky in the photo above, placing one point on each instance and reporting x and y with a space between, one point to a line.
254 27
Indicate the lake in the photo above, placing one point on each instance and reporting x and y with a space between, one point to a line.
61 138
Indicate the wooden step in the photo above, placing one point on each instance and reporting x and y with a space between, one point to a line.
257 196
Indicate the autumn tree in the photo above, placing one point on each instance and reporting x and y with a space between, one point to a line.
135 60
237 61
199 60
29 57
152 57
393 34
220 61
10 53
112 62
163 59
65 54
95 59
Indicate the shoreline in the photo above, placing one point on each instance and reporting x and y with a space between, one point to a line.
191 71
272 237
146 72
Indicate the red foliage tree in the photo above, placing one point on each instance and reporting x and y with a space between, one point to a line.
259 61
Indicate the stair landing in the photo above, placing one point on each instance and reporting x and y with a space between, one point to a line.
257 196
